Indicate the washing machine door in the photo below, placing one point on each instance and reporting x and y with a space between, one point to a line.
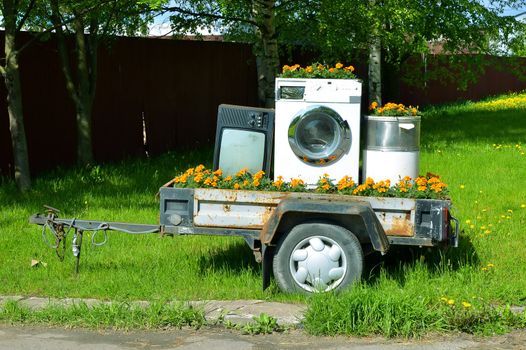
319 136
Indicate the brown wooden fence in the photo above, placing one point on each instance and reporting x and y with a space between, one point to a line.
177 87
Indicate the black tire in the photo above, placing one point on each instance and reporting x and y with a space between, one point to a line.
300 239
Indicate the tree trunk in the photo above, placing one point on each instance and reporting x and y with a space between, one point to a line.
266 50
82 92
375 63
14 99
375 71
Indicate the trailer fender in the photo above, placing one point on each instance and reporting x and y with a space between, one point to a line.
358 217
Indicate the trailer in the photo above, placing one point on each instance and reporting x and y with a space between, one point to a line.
310 241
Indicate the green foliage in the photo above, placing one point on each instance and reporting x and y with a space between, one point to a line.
262 324
111 315
394 311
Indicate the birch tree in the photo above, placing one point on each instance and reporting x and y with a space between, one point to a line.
15 13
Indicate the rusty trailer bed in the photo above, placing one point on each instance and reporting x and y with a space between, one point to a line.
405 221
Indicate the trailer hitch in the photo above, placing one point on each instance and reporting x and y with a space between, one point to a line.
60 229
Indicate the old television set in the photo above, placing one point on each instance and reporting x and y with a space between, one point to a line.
244 139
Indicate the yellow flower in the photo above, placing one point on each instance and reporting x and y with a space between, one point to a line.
309 69
236 186
255 183
218 172
490 265
259 175
466 304
349 68
422 188
373 105
451 302
462 187
199 168
228 178
331 70
286 68
242 172
338 65
326 187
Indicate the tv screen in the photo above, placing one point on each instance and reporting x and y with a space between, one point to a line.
241 149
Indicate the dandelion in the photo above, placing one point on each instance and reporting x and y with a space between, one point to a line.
451 302
466 304
490 265
523 205
468 222
462 187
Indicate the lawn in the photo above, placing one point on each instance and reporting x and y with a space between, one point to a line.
478 149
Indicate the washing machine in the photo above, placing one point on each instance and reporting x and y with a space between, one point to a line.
317 128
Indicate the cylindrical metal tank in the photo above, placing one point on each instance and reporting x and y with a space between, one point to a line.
392 148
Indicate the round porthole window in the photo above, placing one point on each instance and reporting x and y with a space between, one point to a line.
319 136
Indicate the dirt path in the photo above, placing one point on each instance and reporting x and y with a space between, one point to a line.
42 338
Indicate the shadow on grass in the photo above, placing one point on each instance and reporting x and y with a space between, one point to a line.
132 182
436 261
235 258
507 126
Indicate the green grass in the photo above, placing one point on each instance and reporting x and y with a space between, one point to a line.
479 153
114 316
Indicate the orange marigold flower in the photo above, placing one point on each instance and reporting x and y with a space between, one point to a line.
331 70
255 183
228 178
338 65
373 105
326 187
369 181
259 175
218 172
236 186
190 171
309 69
242 172
422 188
199 168
349 68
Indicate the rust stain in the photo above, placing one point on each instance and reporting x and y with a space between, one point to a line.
400 227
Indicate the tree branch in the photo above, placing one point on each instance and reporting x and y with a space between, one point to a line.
26 15
208 15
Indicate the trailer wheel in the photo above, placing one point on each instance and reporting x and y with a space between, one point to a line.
316 257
